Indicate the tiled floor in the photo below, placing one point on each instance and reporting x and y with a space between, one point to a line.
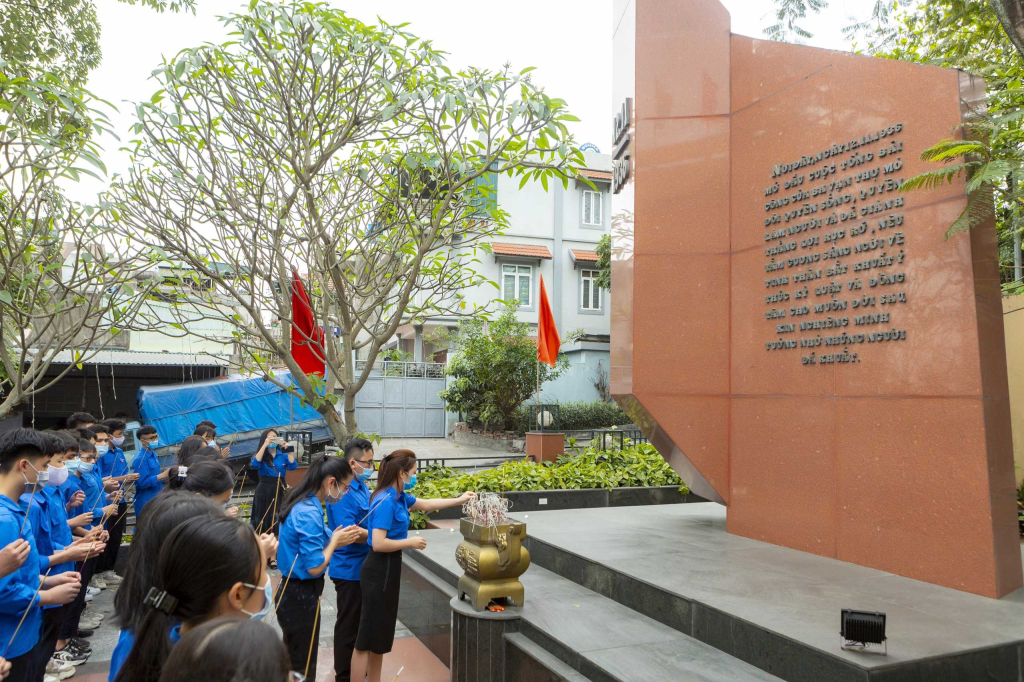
409 655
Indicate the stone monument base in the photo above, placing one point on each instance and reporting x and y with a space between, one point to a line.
665 593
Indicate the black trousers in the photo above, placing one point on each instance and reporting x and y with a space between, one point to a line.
52 619
115 527
350 605
266 501
25 668
298 614
69 626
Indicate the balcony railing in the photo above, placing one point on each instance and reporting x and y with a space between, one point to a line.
409 370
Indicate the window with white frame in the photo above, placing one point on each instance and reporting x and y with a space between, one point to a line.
517 283
592 208
590 292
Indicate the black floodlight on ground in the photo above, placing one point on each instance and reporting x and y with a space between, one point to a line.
860 630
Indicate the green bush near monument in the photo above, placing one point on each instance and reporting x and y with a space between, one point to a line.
638 466
578 416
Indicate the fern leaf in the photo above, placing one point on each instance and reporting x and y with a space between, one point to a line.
934 178
950 149
991 172
978 209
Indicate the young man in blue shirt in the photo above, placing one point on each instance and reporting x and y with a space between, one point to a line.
147 465
23 593
347 561
114 467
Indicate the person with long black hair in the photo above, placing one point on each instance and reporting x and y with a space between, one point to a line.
189 447
212 478
305 550
381 574
208 567
167 511
273 460
229 650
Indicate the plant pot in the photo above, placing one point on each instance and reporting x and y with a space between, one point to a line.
493 559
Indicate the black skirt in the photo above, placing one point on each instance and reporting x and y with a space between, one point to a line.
380 583
264 508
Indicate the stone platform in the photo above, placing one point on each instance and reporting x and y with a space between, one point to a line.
663 592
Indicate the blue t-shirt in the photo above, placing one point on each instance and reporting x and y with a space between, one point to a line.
347 561
391 514
125 642
113 463
275 464
95 496
302 539
18 590
147 465
67 490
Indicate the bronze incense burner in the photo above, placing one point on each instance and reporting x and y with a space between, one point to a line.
493 558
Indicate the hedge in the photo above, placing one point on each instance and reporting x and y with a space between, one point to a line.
638 466
579 416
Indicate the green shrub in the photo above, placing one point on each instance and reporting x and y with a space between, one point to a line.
578 416
638 466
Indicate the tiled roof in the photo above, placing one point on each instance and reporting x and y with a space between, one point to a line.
585 256
597 175
527 250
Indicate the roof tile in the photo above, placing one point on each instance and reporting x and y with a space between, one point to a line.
585 256
527 250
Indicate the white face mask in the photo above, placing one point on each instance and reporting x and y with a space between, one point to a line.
57 476
268 596
212 443
118 442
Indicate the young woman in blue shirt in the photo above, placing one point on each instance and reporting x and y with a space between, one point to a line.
208 567
273 460
168 510
381 574
305 550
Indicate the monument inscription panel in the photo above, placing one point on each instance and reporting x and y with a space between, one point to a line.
835 246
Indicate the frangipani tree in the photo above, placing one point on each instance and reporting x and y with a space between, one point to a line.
349 153
66 284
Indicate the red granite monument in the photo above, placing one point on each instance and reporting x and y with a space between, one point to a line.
799 338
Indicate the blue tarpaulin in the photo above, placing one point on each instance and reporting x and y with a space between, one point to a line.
235 404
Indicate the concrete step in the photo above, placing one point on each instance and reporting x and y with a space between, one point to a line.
527 661
594 636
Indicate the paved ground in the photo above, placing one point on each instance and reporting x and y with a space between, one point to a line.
433 447
419 664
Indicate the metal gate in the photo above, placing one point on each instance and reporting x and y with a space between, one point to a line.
400 399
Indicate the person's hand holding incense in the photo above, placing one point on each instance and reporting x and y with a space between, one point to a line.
13 556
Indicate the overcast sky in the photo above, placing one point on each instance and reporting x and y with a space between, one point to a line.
569 41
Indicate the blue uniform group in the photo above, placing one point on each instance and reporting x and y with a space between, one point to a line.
147 466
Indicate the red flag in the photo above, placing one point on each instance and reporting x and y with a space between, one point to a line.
306 333
548 342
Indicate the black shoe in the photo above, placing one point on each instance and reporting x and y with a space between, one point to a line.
79 646
85 633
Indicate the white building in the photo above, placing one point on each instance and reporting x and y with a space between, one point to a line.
552 234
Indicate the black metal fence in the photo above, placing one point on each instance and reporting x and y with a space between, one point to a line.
604 439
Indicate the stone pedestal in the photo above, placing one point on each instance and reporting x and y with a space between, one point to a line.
478 644
544 446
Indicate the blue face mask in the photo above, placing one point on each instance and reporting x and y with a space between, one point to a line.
86 467
72 464
268 599
102 450
153 443
411 483
365 474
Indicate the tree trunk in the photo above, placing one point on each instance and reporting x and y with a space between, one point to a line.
1011 17
338 429
350 412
